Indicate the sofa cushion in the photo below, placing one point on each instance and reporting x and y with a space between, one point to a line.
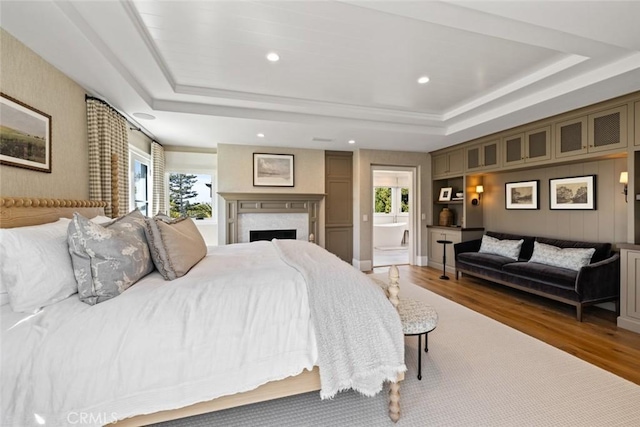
603 250
527 246
506 248
484 260
543 273
570 258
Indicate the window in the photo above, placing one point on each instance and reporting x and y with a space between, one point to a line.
140 178
190 195
391 200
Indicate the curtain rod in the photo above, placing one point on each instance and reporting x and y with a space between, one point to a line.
139 129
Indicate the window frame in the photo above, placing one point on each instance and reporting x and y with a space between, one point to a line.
135 154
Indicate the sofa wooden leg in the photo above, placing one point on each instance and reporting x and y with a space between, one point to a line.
457 274
617 302
579 312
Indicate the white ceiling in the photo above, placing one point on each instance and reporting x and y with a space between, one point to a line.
348 69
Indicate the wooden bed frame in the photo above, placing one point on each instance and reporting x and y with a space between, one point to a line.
21 212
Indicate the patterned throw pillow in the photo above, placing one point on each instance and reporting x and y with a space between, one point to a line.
569 258
176 245
108 260
505 248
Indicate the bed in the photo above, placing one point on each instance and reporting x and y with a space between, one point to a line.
210 340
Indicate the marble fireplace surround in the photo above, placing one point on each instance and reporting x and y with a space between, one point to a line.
270 203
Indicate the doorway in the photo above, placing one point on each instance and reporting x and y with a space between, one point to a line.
393 215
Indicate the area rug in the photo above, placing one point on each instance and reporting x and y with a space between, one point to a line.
478 372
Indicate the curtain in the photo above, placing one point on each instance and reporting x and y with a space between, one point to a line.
159 182
108 156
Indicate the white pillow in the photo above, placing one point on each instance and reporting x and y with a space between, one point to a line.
100 219
569 258
36 265
505 248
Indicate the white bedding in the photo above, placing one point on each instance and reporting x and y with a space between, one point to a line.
113 360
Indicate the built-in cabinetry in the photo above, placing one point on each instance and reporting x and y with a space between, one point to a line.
637 110
483 156
527 147
448 163
455 235
594 133
630 287
339 204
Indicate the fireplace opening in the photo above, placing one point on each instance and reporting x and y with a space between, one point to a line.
255 235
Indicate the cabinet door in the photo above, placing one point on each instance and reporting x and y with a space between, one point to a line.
440 165
490 154
339 241
456 162
538 145
637 127
474 157
571 137
436 249
632 284
513 149
608 130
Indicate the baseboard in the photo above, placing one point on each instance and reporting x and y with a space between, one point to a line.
422 261
365 265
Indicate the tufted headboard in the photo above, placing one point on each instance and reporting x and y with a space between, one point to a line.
25 211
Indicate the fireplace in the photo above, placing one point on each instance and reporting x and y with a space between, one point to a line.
271 234
246 212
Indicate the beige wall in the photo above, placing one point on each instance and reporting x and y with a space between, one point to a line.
235 174
606 224
363 199
30 79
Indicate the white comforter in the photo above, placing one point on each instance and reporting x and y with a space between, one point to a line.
73 362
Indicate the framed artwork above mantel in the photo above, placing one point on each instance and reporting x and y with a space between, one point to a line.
273 170
25 135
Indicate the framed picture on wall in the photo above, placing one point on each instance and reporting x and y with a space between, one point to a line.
25 136
272 170
574 193
445 194
522 195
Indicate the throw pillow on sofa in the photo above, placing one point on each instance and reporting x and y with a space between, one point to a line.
569 258
505 248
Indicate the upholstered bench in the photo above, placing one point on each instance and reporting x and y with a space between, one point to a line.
418 318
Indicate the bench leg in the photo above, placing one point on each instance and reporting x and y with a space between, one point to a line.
426 342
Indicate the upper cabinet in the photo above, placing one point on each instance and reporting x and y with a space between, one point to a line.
527 147
602 131
484 156
450 163
637 125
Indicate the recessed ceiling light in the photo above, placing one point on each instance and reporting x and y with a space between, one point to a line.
260 135
352 141
273 57
144 116
422 80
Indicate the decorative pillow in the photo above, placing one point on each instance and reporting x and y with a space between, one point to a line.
176 245
569 258
102 220
36 268
108 260
505 248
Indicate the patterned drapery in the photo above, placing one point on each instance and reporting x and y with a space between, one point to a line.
159 182
107 135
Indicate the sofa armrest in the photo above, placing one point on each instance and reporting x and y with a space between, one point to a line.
468 246
599 280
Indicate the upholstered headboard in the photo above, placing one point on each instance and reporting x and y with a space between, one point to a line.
24 211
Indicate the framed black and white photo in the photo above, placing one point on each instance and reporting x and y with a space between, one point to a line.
445 194
25 135
575 193
272 170
522 195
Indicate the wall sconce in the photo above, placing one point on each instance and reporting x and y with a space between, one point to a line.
479 190
624 179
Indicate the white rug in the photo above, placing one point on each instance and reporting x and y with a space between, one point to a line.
478 372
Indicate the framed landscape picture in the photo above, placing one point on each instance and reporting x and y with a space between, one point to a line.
522 195
25 135
576 193
272 170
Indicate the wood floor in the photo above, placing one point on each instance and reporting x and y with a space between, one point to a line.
596 339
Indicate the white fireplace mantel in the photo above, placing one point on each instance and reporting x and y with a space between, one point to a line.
241 203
